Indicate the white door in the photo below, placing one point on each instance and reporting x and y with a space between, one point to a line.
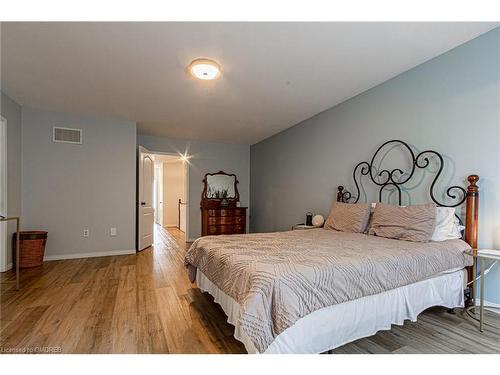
145 209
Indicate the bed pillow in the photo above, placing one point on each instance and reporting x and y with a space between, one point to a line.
409 223
447 225
348 217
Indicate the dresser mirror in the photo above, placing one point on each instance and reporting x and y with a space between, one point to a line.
221 186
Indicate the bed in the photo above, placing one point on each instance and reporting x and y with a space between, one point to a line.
312 291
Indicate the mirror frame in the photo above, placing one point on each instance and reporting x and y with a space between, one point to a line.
205 187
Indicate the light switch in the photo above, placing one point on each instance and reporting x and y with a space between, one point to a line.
112 232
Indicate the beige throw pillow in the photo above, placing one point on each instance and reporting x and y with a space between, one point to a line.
348 217
410 223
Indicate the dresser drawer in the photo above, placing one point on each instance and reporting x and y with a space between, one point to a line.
225 229
223 220
218 220
221 212
220 229
238 229
240 211
212 229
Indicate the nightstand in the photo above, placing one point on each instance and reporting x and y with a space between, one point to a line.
479 256
303 227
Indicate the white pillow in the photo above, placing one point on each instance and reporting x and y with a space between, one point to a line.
447 225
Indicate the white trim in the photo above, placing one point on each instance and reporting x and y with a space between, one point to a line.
4 241
88 255
492 304
8 267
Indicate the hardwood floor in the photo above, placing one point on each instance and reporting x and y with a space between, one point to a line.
144 303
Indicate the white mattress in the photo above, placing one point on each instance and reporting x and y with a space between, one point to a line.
333 326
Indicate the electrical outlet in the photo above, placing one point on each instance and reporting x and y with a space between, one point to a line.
112 232
86 233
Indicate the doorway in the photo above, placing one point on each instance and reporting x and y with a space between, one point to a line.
163 187
173 187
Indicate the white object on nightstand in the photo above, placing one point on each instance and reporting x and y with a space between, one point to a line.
318 220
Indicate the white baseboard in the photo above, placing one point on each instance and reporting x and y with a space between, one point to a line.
88 255
488 303
8 267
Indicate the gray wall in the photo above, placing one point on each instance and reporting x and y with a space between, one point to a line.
67 188
450 104
205 157
11 111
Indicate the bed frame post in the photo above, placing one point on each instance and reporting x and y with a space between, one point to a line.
340 193
471 219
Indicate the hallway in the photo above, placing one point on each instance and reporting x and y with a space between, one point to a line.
165 235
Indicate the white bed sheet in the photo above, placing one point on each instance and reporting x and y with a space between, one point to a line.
336 325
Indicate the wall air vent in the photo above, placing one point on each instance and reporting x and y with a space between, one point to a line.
67 135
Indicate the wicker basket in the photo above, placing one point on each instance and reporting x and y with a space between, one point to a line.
32 248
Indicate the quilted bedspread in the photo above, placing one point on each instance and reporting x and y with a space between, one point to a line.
278 278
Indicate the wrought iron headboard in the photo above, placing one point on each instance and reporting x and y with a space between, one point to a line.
397 178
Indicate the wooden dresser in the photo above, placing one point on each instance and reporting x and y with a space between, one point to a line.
228 220
220 213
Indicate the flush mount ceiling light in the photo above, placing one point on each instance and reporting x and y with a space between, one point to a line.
204 69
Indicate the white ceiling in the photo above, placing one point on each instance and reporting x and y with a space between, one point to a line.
274 74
